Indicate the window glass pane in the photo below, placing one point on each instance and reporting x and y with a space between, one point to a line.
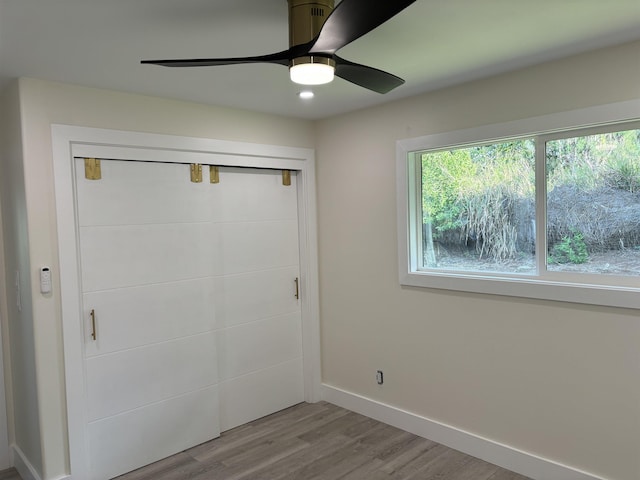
593 204
478 208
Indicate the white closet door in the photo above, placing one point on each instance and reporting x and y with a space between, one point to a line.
259 336
192 289
147 272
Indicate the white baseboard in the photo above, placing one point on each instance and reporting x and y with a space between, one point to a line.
24 467
22 464
504 456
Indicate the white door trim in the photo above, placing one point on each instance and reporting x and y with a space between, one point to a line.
73 141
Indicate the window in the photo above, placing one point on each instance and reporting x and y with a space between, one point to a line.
478 208
593 203
542 208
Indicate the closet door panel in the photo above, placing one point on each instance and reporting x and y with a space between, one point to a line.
139 377
264 199
138 193
254 246
252 296
128 317
277 388
156 432
133 255
243 349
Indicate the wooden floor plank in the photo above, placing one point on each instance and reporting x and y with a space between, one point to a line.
474 470
442 466
370 471
319 442
410 463
294 465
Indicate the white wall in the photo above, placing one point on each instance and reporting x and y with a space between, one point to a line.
5 361
17 324
45 103
553 379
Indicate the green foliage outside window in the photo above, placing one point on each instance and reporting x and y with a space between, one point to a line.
483 197
445 178
594 161
473 194
571 249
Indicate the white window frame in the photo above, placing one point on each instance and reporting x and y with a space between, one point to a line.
561 286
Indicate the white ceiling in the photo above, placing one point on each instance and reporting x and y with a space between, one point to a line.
431 44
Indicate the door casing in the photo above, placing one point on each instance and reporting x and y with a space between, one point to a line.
72 141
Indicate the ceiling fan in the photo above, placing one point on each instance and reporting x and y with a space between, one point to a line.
317 30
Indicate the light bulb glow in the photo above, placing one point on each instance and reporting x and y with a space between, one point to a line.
306 94
312 73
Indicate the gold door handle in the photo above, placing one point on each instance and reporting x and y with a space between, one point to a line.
297 295
93 324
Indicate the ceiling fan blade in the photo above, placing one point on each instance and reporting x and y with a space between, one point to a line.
351 19
367 77
280 58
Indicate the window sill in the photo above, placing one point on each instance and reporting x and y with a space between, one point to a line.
527 287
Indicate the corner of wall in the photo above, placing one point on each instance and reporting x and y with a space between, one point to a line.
17 321
7 431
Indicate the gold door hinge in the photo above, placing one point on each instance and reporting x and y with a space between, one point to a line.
214 174
286 177
92 169
196 173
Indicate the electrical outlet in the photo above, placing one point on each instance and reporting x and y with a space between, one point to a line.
379 377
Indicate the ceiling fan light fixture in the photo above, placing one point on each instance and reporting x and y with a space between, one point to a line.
312 70
317 30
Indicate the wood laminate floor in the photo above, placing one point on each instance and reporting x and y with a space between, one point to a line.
319 442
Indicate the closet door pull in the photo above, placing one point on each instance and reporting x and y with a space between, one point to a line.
297 295
93 324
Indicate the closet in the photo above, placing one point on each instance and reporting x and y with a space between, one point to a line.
189 292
